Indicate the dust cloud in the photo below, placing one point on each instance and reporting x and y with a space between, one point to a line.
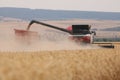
46 41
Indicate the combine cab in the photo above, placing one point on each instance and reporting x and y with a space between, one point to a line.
81 33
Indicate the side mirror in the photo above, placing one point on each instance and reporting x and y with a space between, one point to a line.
93 32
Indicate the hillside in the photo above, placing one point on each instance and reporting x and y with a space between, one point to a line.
41 14
111 29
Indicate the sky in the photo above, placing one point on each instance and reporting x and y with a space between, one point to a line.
82 5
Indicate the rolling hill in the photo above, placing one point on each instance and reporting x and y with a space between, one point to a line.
42 14
112 29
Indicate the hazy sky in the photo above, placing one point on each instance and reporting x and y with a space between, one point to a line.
86 5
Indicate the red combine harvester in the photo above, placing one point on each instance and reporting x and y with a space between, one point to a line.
78 33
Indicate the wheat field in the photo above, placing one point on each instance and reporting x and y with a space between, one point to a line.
57 60
91 64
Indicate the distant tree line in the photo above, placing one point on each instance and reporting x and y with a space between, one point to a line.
106 39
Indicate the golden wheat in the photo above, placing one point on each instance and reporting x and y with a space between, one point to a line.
99 64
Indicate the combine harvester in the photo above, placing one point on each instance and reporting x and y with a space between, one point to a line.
78 33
